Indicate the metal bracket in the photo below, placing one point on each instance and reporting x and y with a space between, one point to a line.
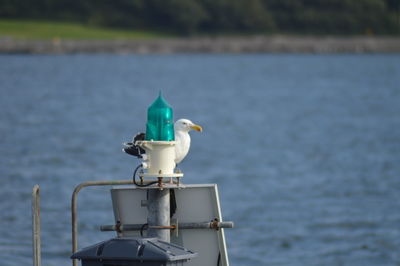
143 203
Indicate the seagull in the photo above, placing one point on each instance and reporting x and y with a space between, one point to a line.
182 137
182 127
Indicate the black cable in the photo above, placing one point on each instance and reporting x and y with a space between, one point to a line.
134 173
141 185
219 259
142 228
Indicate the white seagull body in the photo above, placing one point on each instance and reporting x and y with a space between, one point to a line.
182 138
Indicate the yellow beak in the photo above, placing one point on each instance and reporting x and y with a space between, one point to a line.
197 128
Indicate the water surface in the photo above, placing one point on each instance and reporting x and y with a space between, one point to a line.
305 149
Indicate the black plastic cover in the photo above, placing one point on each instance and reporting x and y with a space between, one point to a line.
135 249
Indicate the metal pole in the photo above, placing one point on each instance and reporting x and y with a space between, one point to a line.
36 226
158 205
74 214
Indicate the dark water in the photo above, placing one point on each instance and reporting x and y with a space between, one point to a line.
305 149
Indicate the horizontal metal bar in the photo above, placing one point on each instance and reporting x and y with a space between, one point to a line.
206 225
137 227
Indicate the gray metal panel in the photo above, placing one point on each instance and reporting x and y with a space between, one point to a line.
195 203
127 206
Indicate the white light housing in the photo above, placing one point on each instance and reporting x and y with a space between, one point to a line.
160 158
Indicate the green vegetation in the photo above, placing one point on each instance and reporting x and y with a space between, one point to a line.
28 29
190 17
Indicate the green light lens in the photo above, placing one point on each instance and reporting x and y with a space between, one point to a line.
160 121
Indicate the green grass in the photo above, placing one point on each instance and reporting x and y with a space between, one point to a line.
46 30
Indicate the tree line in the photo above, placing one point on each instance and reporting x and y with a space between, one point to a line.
189 17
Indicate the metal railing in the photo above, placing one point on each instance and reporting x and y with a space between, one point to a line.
36 225
74 207
74 219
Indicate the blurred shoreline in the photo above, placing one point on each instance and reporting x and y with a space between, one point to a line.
253 44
